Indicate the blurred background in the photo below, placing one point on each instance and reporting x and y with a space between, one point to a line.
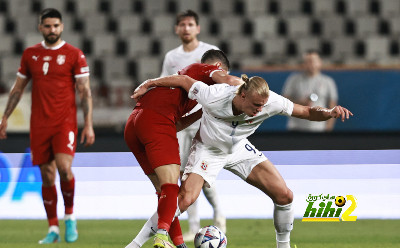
125 42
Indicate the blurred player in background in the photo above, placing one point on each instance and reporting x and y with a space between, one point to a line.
187 28
56 69
161 110
230 115
311 88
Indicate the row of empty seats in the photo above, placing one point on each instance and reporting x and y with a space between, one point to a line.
259 27
209 7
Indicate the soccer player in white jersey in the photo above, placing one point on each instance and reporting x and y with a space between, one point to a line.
230 115
187 28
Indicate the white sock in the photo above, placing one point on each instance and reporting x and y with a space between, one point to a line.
132 245
69 217
212 198
283 221
193 218
55 229
147 231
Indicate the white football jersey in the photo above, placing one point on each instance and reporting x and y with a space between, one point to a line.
177 58
219 127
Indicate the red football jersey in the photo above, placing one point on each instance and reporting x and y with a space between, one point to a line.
53 72
174 102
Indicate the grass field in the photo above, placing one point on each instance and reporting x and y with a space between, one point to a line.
241 233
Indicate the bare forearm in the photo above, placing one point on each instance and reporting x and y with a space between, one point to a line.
188 120
13 99
86 100
170 81
319 114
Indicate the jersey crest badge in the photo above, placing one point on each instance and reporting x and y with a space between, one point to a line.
60 59
204 165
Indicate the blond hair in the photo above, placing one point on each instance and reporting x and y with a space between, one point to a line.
254 84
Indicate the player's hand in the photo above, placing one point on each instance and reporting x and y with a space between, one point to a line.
88 135
3 128
340 112
140 91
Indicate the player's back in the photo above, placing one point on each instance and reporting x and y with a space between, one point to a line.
174 102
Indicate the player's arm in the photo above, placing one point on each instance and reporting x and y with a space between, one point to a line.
13 99
331 122
188 120
85 95
319 113
222 77
182 81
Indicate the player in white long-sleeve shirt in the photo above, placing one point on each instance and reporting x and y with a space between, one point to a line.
230 115
187 27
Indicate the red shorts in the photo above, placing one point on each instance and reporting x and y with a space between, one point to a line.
47 141
152 139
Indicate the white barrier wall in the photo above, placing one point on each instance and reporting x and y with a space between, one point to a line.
112 185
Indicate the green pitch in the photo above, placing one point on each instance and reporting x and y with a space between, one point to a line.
248 233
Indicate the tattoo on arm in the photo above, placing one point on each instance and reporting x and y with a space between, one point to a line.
12 102
86 96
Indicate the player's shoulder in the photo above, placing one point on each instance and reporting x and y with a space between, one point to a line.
207 46
34 48
174 51
273 97
70 47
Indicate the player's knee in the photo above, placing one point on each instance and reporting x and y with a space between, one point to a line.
285 197
185 200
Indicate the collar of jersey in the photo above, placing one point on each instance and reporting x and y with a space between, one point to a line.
53 48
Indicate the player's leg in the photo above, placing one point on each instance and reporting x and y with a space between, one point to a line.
212 197
185 138
49 195
266 177
42 155
64 145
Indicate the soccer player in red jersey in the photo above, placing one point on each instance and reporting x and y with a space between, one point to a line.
56 68
150 134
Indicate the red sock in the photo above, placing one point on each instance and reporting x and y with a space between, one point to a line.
167 205
68 191
175 232
49 195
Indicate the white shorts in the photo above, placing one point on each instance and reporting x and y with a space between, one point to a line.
208 162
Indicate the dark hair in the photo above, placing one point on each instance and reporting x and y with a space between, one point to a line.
215 55
49 13
187 13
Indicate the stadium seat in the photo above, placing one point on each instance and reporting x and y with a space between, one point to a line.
168 43
222 8
95 24
120 89
113 67
265 26
163 25
154 7
230 26
323 8
31 39
366 25
87 7
9 68
357 8
377 49
183 5
394 23
6 45
389 8
274 48
57 4
25 24
129 24
240 46
342 48
289 8
19 8
104 44
148 67
307 43
3 22
298 26
121 7
138 45
74 39
332 26
255 8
